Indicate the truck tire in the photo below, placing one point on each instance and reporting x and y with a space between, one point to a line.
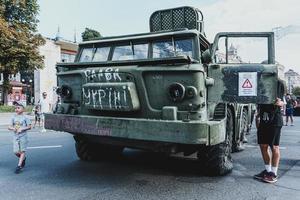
239 145
217 159
85 150
251 122
245 126
88 151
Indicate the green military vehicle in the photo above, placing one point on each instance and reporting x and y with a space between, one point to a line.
169 90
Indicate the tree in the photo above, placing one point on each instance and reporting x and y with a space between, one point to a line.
18 39
296 91
90 34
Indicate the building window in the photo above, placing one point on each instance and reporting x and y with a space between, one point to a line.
67 57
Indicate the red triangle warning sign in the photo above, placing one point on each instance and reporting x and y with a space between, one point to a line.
247 84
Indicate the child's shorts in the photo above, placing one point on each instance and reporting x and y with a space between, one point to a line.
20 143
289 111
37 117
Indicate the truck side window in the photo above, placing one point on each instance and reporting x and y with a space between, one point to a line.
220 56
242 50
247 50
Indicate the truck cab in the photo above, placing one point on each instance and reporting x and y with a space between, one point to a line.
167 91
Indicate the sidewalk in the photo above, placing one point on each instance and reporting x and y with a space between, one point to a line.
5 118
290 180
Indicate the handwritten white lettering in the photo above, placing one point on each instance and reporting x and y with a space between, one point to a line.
106 98
107 74
86 96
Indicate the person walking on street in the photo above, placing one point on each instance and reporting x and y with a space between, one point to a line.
269 123
45 108
20 123
289 111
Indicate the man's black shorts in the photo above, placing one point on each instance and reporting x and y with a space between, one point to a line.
269 135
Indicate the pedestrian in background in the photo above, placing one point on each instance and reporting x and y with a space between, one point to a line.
269 123
37 115
289 110
57 104
20 123
45 108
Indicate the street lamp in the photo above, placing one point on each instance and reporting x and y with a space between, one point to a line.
30 92
289 84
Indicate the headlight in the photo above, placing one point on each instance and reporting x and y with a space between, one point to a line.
191 92
64 91
176 92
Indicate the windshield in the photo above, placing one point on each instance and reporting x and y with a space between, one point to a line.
164 49
135 51
128 52
101 54
86 55
94 54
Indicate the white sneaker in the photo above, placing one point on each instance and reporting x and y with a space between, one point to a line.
43 130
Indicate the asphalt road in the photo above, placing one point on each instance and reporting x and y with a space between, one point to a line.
53 171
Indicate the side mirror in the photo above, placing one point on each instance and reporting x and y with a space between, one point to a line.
206 56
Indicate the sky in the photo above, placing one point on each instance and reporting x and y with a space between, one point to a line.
120 17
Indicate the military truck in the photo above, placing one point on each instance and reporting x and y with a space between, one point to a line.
169 90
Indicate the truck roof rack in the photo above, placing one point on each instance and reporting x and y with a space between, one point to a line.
177 18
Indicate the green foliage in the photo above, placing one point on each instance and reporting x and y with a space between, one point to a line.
5 108
18 39
296 91
90 34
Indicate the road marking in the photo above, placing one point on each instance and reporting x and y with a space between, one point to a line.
45 147
256 146
292 131
251 146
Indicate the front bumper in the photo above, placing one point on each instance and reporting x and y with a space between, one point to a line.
193 132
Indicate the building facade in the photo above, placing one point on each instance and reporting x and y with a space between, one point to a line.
16 92
28 87
292 79
54 50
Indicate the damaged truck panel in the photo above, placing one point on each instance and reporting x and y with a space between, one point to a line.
226 81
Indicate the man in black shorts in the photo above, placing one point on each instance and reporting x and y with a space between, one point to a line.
269 122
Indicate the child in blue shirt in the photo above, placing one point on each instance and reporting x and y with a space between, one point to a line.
20 123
